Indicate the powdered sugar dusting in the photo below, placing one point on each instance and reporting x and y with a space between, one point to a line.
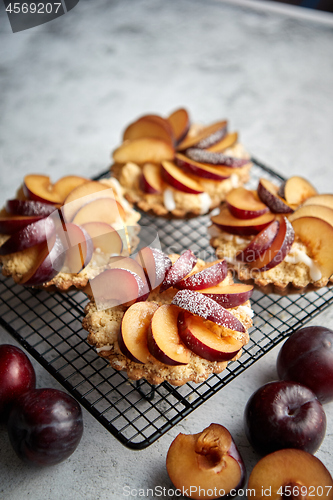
203 156
206 308
206 278
162 264
181 268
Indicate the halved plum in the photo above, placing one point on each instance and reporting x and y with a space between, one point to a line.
290 473
206 465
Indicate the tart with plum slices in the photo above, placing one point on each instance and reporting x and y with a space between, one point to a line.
173 168
279 237
187 324
63 234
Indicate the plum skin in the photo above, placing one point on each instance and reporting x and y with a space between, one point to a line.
45 426
307 357
17 375
284 414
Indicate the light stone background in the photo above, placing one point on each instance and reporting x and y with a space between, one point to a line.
68 88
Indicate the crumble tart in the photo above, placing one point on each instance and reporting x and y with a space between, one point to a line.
171 168
27 256
280 238
110 328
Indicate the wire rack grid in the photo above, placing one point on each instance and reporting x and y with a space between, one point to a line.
49 327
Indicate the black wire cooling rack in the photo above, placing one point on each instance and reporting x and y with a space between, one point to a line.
49 327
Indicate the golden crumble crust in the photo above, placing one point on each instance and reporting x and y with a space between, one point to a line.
103 327
17 264
186 204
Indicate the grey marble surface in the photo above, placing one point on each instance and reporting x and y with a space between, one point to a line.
68 88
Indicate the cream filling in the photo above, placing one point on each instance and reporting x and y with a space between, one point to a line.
247 310
205 202
116 185
168 200
300 256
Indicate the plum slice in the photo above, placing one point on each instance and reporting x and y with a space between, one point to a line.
317 235
155 264
243 227
319 211
29 207
290 473
115 287
49 259
260 243
245 204
204 342
180 123
215 158
200 305
320 199
228 140
179 179
206 137
82 195
201 169
39 187
10 224
164 342
208 277
268 193
151 181
150 126
31 235
181 268
144 150
104 237
229 296
133 333
206 465
279 248
296 190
